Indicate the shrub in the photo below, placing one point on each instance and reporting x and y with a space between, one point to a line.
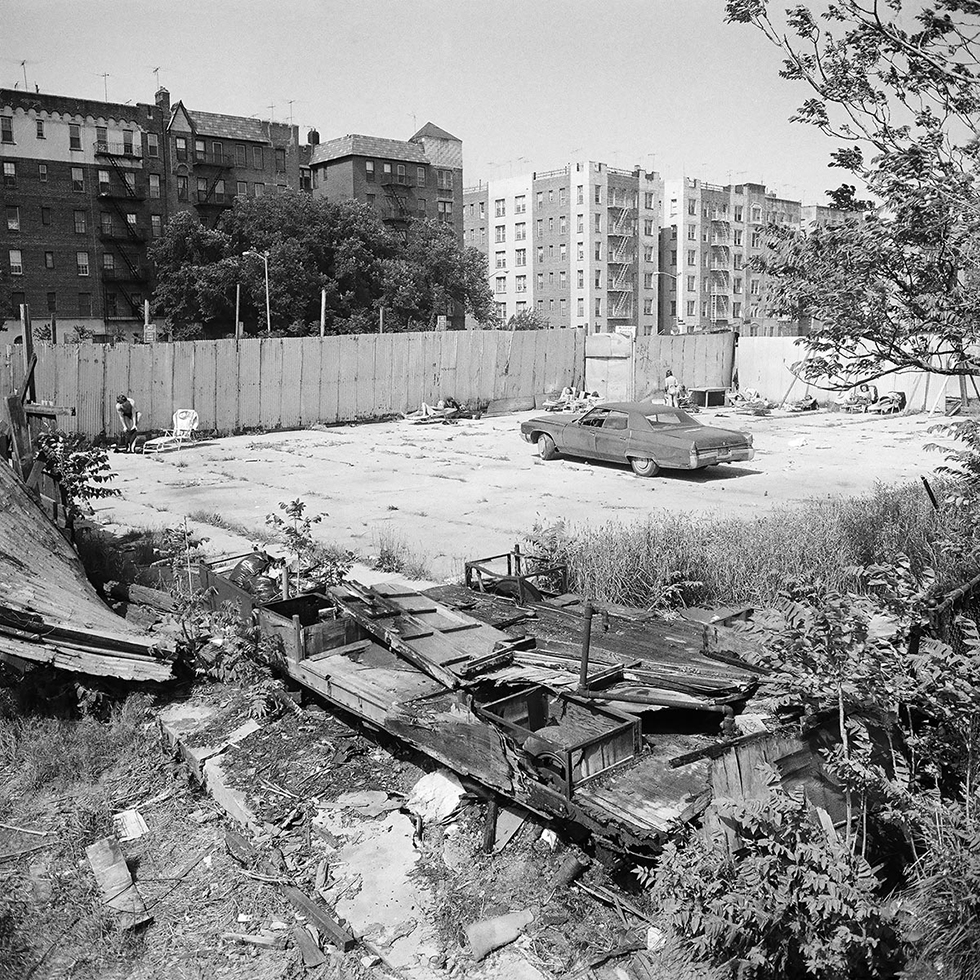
81 468
791 902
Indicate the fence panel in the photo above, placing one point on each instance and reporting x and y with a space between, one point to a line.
329 380
249 384
292 374
226 367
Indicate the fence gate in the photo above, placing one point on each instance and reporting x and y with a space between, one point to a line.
609 366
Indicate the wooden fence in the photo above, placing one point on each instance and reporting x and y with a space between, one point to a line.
284 383
621 369
764 363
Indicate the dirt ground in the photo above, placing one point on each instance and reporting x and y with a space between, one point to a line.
446 493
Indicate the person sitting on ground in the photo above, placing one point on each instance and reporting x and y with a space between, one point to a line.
129 419
866 396
445 408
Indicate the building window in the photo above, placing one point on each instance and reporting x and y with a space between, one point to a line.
521 284
580 224
737 284
648 200
754 287
692 257
563 225
111 305
131 219
499 208
130 179
598 194
562 195
445 178
180 143
39 124
6 129
756 213
520 257
691 307
520 231
202 188
541 253
257 161
520 204
74 136
128 142
305 179
80 223
648 280
551 225
84 304
181 188
500 233
108 262
483 210
598 251
42 173
421 210
539 198
738 237
562 251
540 280
241 188
444 212
501 284
106 220
500 260
52 302
259 189
580 306
103 176
280 159
219 192
77 179
737 310
521 306
156 225
562 279
152 145
598 306
49 260
692 283
580 279
561 307
16 262
241 155
420 176
692 233
738 260
155 186
81 263
13 217
647 307
756 239
673 308
738 212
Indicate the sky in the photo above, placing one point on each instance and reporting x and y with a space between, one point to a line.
525 84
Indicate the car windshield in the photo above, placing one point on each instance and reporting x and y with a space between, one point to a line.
668 416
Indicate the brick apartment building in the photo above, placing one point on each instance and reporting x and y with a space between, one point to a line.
88 184
577 245
402 179
711 233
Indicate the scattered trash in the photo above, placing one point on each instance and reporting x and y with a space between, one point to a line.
489 934
368 802
570 869
655 939
116 883
129 825
436 796
509 822
309 949
550 838
257 939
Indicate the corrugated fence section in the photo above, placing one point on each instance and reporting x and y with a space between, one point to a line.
281 383
698 360
765 363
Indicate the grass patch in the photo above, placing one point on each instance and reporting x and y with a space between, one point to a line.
671 558
215 519
394 554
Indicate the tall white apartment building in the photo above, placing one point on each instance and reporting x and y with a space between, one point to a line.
579 246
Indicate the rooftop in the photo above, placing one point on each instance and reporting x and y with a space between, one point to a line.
431 129
354 145
234 127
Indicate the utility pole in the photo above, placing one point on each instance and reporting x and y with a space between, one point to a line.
238 300
323 312
381 321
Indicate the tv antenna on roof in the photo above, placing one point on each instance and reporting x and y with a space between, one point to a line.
104 75
156 74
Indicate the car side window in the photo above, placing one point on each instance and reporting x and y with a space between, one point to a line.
596 417
663 418
616 420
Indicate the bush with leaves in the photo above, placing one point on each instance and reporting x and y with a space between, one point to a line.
791 902
81 468
314 565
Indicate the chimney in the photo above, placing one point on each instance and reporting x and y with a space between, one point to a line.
163 101
313 137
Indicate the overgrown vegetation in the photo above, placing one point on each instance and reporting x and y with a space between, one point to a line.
81 468
395 554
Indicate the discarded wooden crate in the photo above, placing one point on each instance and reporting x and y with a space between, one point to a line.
302 626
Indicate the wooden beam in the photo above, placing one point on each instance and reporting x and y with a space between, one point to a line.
30 358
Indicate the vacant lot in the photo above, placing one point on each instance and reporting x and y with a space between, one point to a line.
451 492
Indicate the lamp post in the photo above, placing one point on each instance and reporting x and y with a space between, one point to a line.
264 256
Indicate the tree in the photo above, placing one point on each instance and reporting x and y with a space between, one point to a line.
432 276
527 320
896 287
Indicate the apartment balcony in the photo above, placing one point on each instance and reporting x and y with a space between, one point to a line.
126 150
220 160
206 200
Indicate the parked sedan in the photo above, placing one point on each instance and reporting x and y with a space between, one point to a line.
649 437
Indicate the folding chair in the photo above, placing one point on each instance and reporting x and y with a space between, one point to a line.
185 424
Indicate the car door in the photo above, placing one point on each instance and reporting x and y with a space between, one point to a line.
612 438
580 436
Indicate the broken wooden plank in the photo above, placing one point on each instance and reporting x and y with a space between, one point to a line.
309 950
115 882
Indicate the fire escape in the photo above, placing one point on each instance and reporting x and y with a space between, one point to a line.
213 167
621 277
397 193
126 242
719 268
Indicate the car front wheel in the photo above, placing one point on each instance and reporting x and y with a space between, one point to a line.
546 446
644 467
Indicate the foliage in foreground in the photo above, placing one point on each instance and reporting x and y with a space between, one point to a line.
793 902
82 469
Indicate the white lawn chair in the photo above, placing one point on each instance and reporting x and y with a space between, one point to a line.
184 427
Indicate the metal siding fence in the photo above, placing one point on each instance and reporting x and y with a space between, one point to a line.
273 383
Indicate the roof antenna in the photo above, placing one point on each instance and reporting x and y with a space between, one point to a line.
156 74
105 84
23 65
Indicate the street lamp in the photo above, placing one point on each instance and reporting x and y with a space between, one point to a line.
264 256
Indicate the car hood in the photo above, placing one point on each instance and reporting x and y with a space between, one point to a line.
555 418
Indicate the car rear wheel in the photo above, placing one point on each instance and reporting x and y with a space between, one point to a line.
546 446
644 467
